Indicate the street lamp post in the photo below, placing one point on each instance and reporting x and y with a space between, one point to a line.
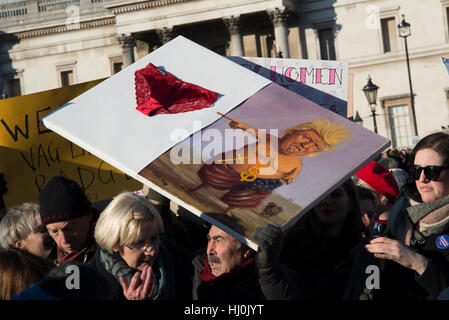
404 32
370 91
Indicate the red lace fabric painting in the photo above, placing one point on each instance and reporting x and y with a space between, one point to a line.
160 92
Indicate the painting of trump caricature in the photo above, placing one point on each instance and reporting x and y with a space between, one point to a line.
268 164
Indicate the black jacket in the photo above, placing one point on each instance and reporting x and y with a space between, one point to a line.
278 283
179 270
396 281
323 262
114 288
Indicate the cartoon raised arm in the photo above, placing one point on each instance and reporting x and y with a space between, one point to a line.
235 124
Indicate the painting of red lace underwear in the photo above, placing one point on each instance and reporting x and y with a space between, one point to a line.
159 92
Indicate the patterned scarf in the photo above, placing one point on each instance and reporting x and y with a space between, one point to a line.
115 265
412 224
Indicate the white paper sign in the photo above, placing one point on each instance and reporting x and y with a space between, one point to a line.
105 122
324 82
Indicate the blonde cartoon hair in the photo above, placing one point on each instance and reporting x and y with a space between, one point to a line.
332 133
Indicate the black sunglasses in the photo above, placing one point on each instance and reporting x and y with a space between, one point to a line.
430 172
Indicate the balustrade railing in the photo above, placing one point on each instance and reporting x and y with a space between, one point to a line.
55 4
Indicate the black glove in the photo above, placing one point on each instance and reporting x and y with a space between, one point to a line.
270 240
3 188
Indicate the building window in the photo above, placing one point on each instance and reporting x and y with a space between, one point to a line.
445 9
67 78
399 120
67 73
265 44
14 88
116 63
117 67
12 84
446 16
400 126
327 48
389 34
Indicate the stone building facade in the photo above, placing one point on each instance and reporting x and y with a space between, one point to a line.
46 44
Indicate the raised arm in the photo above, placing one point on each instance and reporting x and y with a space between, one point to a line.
235 124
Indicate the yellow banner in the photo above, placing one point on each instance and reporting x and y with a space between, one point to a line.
30 154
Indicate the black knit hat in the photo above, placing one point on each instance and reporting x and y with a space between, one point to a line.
62 199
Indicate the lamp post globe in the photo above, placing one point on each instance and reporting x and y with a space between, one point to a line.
370 90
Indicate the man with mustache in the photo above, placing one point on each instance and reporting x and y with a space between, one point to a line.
230 270
69 218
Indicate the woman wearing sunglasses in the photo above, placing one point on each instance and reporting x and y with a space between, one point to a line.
418 245
137 262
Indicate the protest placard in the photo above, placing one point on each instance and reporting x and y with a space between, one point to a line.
196 157
324 82
32 154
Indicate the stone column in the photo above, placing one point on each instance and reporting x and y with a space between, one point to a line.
165 34
233 24
279 19
127 42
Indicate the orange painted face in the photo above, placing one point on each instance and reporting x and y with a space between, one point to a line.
301 142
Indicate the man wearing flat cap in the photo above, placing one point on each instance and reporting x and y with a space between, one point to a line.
68 215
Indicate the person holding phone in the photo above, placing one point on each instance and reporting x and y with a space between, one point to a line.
418 239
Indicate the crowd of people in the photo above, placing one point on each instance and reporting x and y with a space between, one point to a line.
392 217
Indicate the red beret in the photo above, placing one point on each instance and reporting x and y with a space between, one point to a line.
380 179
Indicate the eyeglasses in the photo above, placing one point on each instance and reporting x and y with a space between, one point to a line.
144 245
430 172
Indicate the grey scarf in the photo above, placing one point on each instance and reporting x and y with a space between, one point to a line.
412 224
116 266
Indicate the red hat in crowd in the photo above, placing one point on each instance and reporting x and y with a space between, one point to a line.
380 179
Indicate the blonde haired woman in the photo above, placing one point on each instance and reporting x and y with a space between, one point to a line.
138 264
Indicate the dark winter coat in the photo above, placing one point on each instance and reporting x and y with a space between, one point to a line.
177 266
324 262
277 283
420 227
